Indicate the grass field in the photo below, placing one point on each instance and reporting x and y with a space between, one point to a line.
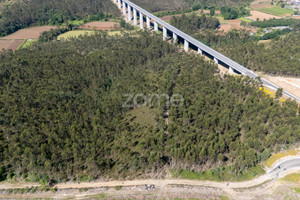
75 34
245 19
295 177
27 43
277 11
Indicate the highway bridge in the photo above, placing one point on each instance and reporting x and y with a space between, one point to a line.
133 11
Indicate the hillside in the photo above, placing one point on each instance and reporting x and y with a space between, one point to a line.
278 56
21 14
63 115
170 5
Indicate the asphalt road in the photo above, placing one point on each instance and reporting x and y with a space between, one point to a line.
284 166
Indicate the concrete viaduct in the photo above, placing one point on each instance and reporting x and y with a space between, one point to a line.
134 11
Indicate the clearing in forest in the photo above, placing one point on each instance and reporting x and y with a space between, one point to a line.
77 33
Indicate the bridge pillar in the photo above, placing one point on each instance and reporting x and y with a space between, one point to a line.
119 4
164 34
174 38
129 13
200 51
134 17
124 8
231 70
155 26
216 61
186 45
141 21
148 22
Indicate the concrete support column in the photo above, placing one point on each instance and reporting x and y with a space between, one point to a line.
129 13
216 61
231 70
148 22
164 34
200 51
155 26
175 38
134 17
186 45
124 8
141 21
119 4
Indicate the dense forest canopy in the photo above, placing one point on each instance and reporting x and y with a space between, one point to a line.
62 115
278 57
193 23
25 13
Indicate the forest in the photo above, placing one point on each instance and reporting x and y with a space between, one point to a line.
62 113
193 23
275 22
279 56
22 14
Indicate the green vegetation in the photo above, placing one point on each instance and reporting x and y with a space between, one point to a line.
243 19
277 11
234 13
193 23
297 190
279 57
274 34
173 12
75 34
292 178
220 174
63 116
21 14
275 22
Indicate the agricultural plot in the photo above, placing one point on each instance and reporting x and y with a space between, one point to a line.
74 34
256 15
277 11
101 26
10 44
29 33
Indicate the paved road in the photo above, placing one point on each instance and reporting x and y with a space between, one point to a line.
284 166
243 70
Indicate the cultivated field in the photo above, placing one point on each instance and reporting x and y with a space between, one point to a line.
281 12
101 26
77 33
10 44
29 33
261 16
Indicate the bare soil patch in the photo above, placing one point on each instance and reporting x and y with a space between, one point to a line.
291 85
29 33
101 26
235 24
261 16
10 44
296 17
